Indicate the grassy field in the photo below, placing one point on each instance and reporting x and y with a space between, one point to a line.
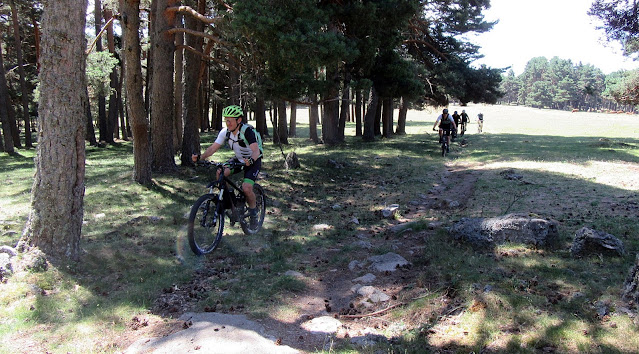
581 169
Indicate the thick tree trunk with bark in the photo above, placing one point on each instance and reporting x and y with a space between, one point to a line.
23 83
313 119
387 117
55 219
369 118
191 136
130 12
401 119
331 109
163 46
178 127
292 126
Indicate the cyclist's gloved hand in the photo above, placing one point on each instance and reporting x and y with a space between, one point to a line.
249 161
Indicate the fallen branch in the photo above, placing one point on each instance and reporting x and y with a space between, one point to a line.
373 313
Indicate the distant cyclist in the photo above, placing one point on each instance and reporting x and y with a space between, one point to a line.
464 121
457 119
446 125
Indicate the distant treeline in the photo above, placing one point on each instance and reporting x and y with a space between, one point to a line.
560 84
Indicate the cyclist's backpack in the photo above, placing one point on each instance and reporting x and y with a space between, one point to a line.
258 136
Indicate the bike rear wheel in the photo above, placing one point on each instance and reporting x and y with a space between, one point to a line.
206 225
260 199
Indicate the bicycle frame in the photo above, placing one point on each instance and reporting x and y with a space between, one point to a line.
226 196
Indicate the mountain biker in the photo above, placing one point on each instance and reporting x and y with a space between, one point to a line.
446 124
456 118
464 120
250 155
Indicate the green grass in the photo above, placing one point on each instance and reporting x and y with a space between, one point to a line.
134 243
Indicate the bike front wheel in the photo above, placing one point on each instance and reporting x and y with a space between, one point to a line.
206 224
260 201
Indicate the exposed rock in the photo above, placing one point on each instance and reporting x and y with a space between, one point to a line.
355 264
292 162
365 279
631 285
294 274
35 260
372 294
363 244
589 241
390 211
324 324
519 228
6 268
12 252
388 262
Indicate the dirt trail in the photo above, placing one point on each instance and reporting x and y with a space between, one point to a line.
329 294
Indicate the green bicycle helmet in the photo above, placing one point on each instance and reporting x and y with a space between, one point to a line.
232 112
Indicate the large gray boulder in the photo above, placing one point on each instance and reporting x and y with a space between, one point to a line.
6 266
588 241
516 228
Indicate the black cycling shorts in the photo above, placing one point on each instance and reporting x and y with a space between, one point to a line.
250 172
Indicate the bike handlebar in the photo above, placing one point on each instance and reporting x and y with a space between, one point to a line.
230 164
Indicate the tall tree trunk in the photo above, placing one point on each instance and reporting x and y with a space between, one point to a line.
4 109
378 117
177 86
90 131
102 115
331 108
123 123
112 123
130 12
274 122
344 111
13 125
358 112
387 117
23 82
369 118
191 136
55 219
401 119
260 115
282 126
292 126
313 118
162 45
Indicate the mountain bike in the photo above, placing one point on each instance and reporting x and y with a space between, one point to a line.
225 198
443 140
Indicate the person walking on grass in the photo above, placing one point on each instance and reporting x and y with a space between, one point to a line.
480 122
244 141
